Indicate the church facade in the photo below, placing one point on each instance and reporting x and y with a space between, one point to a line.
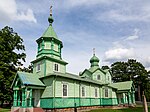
50 86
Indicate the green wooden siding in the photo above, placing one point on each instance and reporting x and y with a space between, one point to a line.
78 102
102 76
46 103
95 101
106 101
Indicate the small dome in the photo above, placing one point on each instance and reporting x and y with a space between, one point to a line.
94 59
50 19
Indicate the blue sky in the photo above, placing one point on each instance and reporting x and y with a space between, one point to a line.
117 29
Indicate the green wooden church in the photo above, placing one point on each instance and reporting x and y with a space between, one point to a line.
51 87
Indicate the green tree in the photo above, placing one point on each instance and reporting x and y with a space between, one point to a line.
119 73
105 67
11 55
28 69
131 70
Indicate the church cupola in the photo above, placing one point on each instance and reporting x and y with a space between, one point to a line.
48 59
48 43
94 60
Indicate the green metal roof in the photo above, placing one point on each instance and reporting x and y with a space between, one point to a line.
95 68
94 59
29 79
122 85
92 69
49 58
50 32
73 76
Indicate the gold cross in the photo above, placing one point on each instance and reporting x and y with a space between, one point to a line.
93 51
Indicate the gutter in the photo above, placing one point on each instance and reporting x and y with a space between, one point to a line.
54 90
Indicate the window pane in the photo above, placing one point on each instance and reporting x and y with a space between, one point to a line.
64 90
83 91
56 67
106 92
95 92
38 67
98 77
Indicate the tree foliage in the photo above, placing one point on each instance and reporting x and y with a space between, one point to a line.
28 69
11 55
131 70
105 67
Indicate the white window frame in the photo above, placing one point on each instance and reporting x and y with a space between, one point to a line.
38 67
57 68
84 91
63 90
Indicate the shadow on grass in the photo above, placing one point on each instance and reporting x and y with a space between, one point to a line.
5 109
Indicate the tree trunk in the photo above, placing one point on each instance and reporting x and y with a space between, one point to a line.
144 103
2 102
139 92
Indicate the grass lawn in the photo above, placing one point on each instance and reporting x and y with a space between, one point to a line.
136 109
4 110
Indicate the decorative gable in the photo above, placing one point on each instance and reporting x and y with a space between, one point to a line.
86 74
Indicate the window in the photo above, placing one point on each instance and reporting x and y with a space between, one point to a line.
96 92
38 67
98 77
55 67
40 46
108 78
106 92
83 91
65 90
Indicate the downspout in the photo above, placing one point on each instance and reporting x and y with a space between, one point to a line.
54 91
90 94
100 95
44 67
74 94
80 93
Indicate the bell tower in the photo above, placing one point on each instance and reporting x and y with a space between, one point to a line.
48 43
48 59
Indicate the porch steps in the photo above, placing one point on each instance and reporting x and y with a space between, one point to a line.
38 109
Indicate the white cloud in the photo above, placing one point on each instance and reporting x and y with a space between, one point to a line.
26 16
119 53
122 16
125 11
9 12
146 62
75 3
134 36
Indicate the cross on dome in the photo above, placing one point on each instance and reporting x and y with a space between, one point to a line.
51 10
